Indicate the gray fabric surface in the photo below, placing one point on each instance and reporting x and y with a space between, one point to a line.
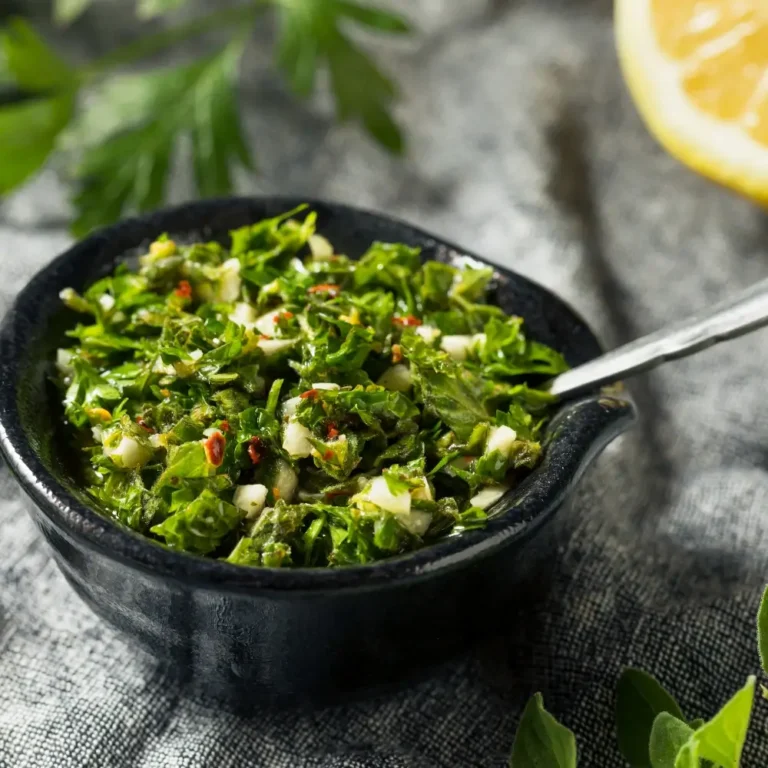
525 147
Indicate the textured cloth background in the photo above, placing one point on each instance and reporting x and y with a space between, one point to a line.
525 147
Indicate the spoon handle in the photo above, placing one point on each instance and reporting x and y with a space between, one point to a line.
733 317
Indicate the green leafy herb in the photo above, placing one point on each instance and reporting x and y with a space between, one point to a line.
66 11
640 699
131 167
668 738
148 9
30 126
762 630
671 742
541 742
721 740
232 402
120 143
199 526
311 32
450 391
675 744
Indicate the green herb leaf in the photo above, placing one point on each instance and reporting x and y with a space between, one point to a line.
540 741
762 630
338 457
382 21
668 737
31 125
147 9
451 391
28 133
674 744
472 284
251 552
122 495
640 698
66 11
311 33
507 353
201 526
274 535
34 66
721 740
129 169
186 461
471 519
389 265
408 448
438 279
217 138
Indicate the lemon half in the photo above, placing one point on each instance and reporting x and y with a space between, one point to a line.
698 72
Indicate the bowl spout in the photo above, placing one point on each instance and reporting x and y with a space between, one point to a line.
574 439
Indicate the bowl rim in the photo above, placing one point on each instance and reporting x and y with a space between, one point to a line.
80 524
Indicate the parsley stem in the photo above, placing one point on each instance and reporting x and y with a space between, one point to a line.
152 44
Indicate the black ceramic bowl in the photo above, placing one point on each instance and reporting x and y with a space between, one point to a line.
264 633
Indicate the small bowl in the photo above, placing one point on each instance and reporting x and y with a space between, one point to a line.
250 634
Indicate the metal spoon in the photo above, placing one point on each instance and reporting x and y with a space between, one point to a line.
743 313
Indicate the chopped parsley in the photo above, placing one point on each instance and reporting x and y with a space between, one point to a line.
279 404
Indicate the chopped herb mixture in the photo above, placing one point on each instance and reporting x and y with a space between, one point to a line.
279 404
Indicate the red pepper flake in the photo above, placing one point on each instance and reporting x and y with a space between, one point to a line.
224 426
276 318
310 394
339 492
287 315
184 290
397 353
255 449
332 431
328 455
331 289
214 449
264 337
406 321
165 392
143 424
276 493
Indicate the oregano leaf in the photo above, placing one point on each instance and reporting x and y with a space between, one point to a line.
540 741
762 630
721 740
668 736
640 699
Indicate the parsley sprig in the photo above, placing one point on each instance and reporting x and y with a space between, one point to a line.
49 106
